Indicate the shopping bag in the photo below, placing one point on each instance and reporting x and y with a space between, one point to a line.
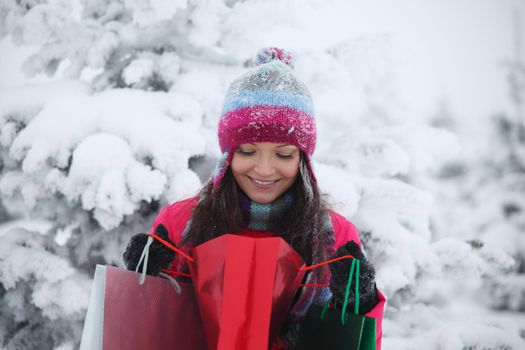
244 287
125 315
333 329
94 321
359 332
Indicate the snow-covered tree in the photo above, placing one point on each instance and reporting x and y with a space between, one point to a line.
506 191
128 125
486 191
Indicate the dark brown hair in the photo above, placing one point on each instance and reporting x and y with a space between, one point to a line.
218 212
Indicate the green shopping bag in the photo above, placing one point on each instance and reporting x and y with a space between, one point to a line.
332 329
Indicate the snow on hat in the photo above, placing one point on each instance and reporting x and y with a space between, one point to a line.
267 104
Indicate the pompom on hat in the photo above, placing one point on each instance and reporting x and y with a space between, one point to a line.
266 104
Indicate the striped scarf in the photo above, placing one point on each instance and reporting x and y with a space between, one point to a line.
259 217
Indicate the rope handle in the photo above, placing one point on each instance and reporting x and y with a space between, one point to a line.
171 246
189 258
174 273
144 257
357 264
314 285
354 267
307 268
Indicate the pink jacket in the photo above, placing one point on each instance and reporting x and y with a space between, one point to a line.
175 217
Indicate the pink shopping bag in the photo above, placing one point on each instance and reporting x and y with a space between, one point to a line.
244 287
148 316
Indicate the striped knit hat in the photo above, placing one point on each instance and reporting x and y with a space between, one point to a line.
267 104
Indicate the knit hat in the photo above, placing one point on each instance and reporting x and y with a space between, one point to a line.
267 104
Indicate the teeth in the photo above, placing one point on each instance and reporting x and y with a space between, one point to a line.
263 182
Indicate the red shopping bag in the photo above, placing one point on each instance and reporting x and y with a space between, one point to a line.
149 316
244 287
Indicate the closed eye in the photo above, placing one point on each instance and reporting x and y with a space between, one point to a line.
285 156
245 153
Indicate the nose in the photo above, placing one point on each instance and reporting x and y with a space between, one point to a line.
264 168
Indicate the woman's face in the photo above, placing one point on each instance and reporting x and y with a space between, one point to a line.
265 170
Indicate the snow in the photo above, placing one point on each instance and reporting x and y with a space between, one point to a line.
410 106
344 199
122 181
147 12
444 328
40 226
65 139
41 21
58 290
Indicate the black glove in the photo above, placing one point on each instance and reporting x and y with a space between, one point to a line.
160 256
367 284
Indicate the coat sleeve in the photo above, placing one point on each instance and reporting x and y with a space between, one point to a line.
175 217
344 232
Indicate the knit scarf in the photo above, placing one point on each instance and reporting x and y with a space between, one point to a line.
258 216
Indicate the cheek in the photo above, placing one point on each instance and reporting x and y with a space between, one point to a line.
290 171
239 165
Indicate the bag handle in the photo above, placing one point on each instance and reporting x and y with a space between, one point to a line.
307 268
347 292
171 246
145 255
190 259
354 267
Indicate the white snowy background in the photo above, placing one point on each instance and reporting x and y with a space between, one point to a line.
108 110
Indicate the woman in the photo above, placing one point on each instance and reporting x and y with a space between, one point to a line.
264 186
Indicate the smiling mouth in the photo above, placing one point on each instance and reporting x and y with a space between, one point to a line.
262 183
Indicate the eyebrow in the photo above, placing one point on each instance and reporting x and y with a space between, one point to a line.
288 144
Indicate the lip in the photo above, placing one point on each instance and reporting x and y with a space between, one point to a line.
261 185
